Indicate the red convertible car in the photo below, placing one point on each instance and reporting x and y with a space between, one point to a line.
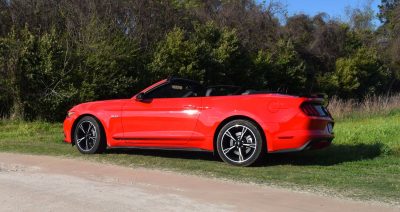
241 126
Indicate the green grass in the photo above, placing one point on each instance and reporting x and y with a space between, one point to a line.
363 163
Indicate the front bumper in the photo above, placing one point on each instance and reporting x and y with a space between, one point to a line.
67 127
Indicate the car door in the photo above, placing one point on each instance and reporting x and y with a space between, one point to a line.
166 116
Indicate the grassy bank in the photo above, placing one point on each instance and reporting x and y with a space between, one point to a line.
363 163
368 107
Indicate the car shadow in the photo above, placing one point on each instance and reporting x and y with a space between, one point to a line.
335 154
179 154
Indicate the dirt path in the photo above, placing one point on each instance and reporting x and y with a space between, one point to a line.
42 183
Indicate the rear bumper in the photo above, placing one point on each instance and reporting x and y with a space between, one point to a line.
317 143
308 133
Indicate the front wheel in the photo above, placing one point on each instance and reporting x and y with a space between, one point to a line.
88 136
240 143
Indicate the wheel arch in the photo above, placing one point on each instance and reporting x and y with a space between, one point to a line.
79 118
236 117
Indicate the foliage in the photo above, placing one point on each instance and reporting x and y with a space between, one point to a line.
57 53
47 74
37 68
361 73
386 9
177 56
282 69
108 63
208 54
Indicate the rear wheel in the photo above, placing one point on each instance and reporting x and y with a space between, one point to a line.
240 143
89 136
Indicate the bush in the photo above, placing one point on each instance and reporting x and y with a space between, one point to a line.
281 70
38 74
108 63
47 74
360 74
208 54
54 54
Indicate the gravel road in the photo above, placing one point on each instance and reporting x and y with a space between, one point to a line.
43 183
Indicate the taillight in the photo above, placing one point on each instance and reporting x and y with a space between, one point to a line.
313 109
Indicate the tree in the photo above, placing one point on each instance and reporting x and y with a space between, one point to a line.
38 74
15 56
386 9
361 19
282 70
108 66
360 74
388 39
208 54
50 78
256 24
56 53
176 55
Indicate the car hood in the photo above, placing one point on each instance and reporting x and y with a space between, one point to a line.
115 104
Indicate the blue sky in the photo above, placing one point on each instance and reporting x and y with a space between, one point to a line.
334 8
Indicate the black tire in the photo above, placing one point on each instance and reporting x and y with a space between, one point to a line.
89 136
237 149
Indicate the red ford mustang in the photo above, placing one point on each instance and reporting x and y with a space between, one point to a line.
182 114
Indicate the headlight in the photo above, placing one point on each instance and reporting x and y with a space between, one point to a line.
70 113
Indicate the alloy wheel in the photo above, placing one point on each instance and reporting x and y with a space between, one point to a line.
86 136
238 143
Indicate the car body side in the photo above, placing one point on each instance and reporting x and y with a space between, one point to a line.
284 125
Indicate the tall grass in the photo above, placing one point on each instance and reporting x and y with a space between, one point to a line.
367 107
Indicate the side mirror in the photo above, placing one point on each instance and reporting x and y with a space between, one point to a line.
140 97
